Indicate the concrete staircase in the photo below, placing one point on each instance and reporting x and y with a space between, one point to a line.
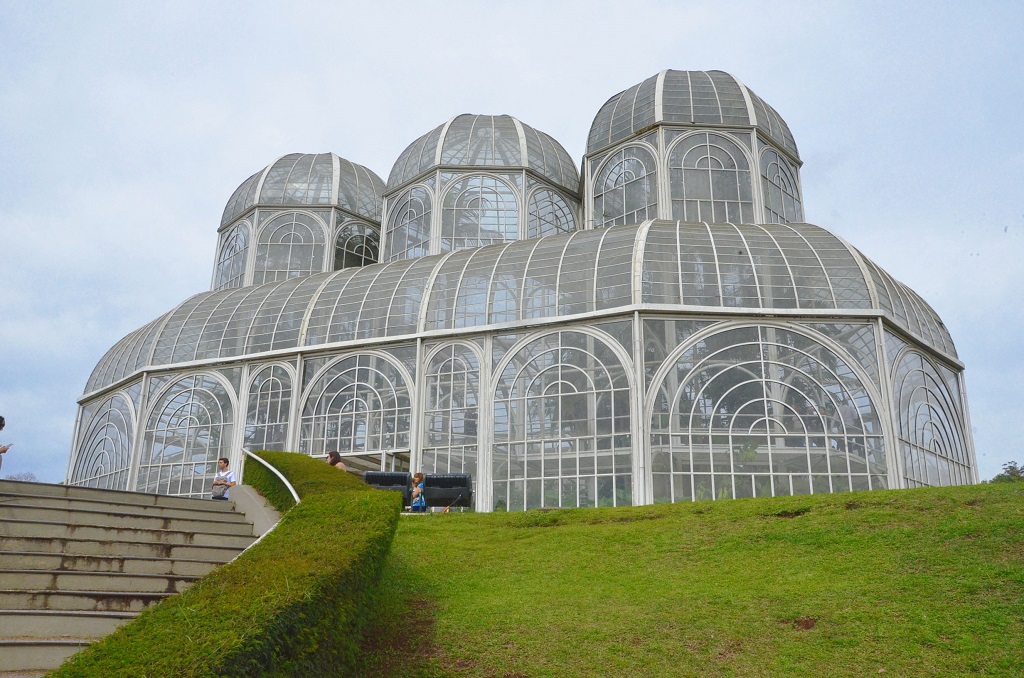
75 563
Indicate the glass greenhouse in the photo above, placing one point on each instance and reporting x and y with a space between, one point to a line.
660 326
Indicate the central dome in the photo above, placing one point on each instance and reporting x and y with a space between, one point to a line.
486 141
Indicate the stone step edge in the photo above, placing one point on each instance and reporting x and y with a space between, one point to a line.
112 527
57 554
89 511
214 507
70 541
71 613
90 573
57 641
104 594
87 490
240 520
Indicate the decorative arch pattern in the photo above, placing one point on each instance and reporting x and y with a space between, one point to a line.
408 226
105 448
709 177
478 210
451 411
361 407
188 429
231 259
626 189
562 426
289 245
763 411
548 214
356 245
266 413
931 426
782 203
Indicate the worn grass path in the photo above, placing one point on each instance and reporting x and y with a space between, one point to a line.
911 583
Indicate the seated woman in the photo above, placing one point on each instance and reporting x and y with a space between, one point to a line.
334 459
419 502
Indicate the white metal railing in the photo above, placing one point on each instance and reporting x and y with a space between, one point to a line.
295 496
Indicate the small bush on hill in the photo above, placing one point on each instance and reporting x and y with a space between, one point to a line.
1011 473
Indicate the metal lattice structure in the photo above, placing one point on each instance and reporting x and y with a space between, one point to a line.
665 328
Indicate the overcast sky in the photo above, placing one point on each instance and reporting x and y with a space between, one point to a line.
125 127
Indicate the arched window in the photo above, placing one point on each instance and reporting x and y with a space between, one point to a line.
189 428
548 214
359 406
266 414
710 180
231 260
451 412
356 245
290 245
931 429
105 446
781 191
626 189
478 210
408 228
562 426
762 411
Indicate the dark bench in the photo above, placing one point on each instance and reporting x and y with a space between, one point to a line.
389 480
448 489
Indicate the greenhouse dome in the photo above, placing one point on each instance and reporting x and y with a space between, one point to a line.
478 180
658 359
304 214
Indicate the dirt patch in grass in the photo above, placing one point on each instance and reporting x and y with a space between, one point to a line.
852 505
729 651
800 623
395 649
790 514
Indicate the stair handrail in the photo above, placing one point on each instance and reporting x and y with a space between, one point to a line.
295 495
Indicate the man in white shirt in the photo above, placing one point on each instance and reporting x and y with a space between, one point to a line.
223 479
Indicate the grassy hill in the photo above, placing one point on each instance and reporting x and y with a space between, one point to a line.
917 582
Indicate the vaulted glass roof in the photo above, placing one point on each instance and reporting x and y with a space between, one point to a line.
486 141
699 98
666 265
308 179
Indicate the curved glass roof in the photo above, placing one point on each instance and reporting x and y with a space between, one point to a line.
486 141
666 264
310 179
699 98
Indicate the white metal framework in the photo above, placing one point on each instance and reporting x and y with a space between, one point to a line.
629 338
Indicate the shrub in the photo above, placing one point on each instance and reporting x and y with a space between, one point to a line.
293 605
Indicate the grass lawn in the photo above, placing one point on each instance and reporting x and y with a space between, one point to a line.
910 583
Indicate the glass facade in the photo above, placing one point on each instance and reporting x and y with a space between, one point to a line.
665 329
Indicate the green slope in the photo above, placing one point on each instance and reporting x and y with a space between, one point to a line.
918 582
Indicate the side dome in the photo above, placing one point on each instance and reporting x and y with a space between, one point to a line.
494 141
322 179
697 98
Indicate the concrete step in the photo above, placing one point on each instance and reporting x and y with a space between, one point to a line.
96 547
75 516
210 509
56 580
99 601
135 498
60 623
28 560
32 654
59 530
